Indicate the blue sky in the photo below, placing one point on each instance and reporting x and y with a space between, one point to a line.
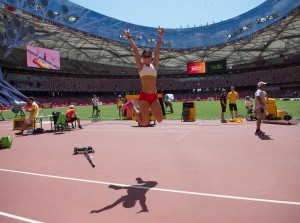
170 13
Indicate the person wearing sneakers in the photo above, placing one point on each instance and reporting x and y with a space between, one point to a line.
260 104
248 104
223 105
120 102
147 68
72 116
232 96
95 103
34 112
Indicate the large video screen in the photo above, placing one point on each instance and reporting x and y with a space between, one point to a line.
196 68
216 66
206 67
42 58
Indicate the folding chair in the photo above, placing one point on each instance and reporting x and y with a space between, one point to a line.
73 124
61 123
251 115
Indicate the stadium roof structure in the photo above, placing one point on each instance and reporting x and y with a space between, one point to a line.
267 31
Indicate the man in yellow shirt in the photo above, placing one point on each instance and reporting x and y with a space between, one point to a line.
232 96
120 102
34 112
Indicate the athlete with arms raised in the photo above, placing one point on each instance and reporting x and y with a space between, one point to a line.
147 68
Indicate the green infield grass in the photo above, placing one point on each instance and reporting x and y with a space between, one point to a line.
205 110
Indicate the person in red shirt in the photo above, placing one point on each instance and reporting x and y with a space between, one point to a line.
72 116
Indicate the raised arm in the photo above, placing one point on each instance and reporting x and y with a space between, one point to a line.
135 50
161 32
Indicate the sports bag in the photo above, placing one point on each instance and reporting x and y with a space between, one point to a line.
5 142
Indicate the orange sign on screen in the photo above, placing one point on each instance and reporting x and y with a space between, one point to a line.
196 68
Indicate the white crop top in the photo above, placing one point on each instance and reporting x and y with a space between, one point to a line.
148 71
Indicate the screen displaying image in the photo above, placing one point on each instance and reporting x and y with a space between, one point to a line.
42 58
196 68
216 66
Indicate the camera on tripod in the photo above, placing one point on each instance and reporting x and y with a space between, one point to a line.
83 150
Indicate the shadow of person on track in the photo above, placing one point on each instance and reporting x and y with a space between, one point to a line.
265 137
134 193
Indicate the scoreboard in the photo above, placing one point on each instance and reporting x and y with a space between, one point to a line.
215 66
206 67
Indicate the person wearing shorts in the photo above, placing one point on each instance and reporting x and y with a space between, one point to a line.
120 102
232 96
72 116
147 68
95 103
223 105
148 97
260 106
34 112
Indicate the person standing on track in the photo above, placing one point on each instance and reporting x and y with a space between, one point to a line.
232 96
95 103
260 106
223 105
120 102
147 68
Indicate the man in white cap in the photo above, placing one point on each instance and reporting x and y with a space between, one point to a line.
260 104
95 103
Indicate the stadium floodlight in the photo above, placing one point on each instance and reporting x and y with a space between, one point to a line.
44 3
70 18
15 33
30 3
51 14
64 9
73 18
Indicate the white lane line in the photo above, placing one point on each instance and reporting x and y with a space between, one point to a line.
183 135
128 130
159 189
140 128
19 218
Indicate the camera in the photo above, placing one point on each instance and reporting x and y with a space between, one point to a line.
82 150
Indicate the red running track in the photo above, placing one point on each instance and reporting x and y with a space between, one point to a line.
201 171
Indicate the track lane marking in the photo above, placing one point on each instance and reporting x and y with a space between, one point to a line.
19 218
159 189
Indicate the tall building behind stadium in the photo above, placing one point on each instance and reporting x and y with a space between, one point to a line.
61 52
